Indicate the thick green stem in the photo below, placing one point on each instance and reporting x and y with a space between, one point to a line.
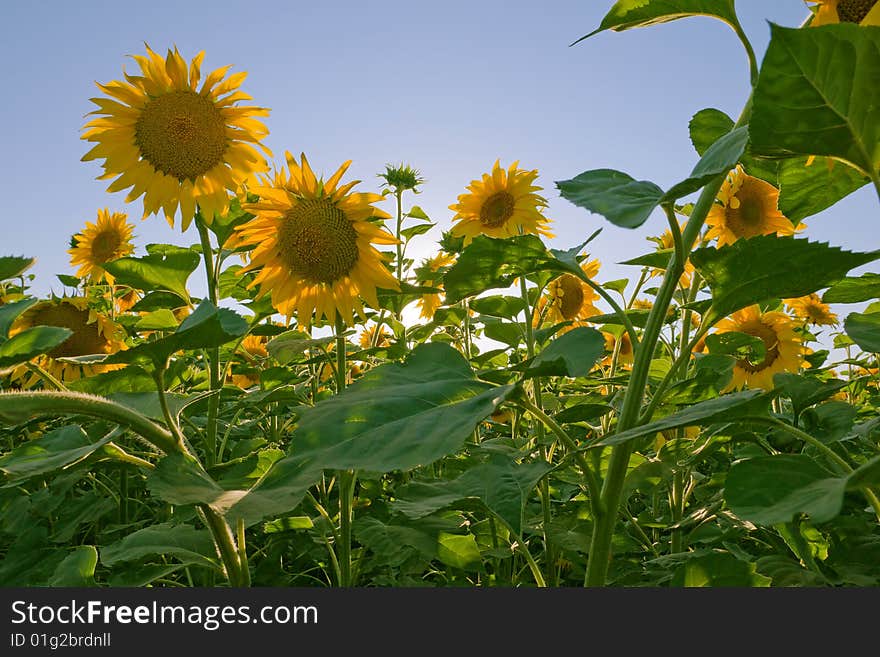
225 542
346 478
399 196
214 353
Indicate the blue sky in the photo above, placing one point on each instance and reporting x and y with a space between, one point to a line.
448 87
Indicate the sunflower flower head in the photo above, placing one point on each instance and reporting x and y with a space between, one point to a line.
811 309
625 352
369 338
569 299
177 144
92 333
747 208
861 12
784 350
665 242
313 245
99 243
502 204
427 275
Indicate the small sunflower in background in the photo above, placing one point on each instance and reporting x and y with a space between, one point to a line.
861 12
812 309
784 350
428 303
175 144
93 333
569 299
253 350
99 243
748 208
313 245
625 355
666 241
369 338
502 204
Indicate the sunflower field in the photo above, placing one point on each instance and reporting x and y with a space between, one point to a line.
335 412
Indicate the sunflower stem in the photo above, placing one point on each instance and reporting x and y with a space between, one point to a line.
213 353
347 478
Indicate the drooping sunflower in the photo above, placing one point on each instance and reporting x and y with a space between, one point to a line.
173 143
666 241
568 298
313 244
93 333
811 309
784 349
748 208
502 204
107 240
862 12
428 303
625 355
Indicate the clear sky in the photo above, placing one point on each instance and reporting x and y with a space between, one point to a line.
448 87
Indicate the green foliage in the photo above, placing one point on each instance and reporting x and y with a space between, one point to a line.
166 269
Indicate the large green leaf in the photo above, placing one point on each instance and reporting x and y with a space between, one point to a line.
31 342
494 263
393 543
14 266
767 266
291 345
805 391
55 450
746 403
817 94
617 196
77 568
627 14
168 270
854 289
864 329
774 489
718 569
708 126
805 190
719 158
501 484
223 226
572 354
181 541
10 312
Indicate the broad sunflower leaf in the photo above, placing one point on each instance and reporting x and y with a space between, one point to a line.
181 541
488 263
806 190
572 354
77 568
804 391
168 270
501 484
736 405
394 543
719 158
767 267
10 312
719 569
291 345
708 126
14 266
459 551
863 328
854 289
627 14
223 226
774 489
53 451
617 196
817 94
498 306
31 342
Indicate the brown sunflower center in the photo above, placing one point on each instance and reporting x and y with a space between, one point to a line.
768 336
497 209
317 241
748 219
570 295
85 340
854 11
182 134
104 245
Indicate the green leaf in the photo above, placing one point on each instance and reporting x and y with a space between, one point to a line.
627 14
719 158
10 312
417 213
767 267
129 379
817 94
637 316
617 196
168 539
179 479
290 346
739 345
658 259
158 300
223 226
864 329
854 289
806 190
709 125
745 403
502 485
494 263
69 281
393 544
720 569
158 271
498 306
459 551
418 229
804 391
55 450
77 568
158 320
31 342
830 422
774 489
148 404
14 266
572 354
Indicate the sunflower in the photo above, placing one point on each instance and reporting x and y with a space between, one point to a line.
368 337
748 208
666 241
98 244
502 204
625 356
93 333
784 350
252 348
126 299
313 245
862 12
175 144
811 309
428 303
569 299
